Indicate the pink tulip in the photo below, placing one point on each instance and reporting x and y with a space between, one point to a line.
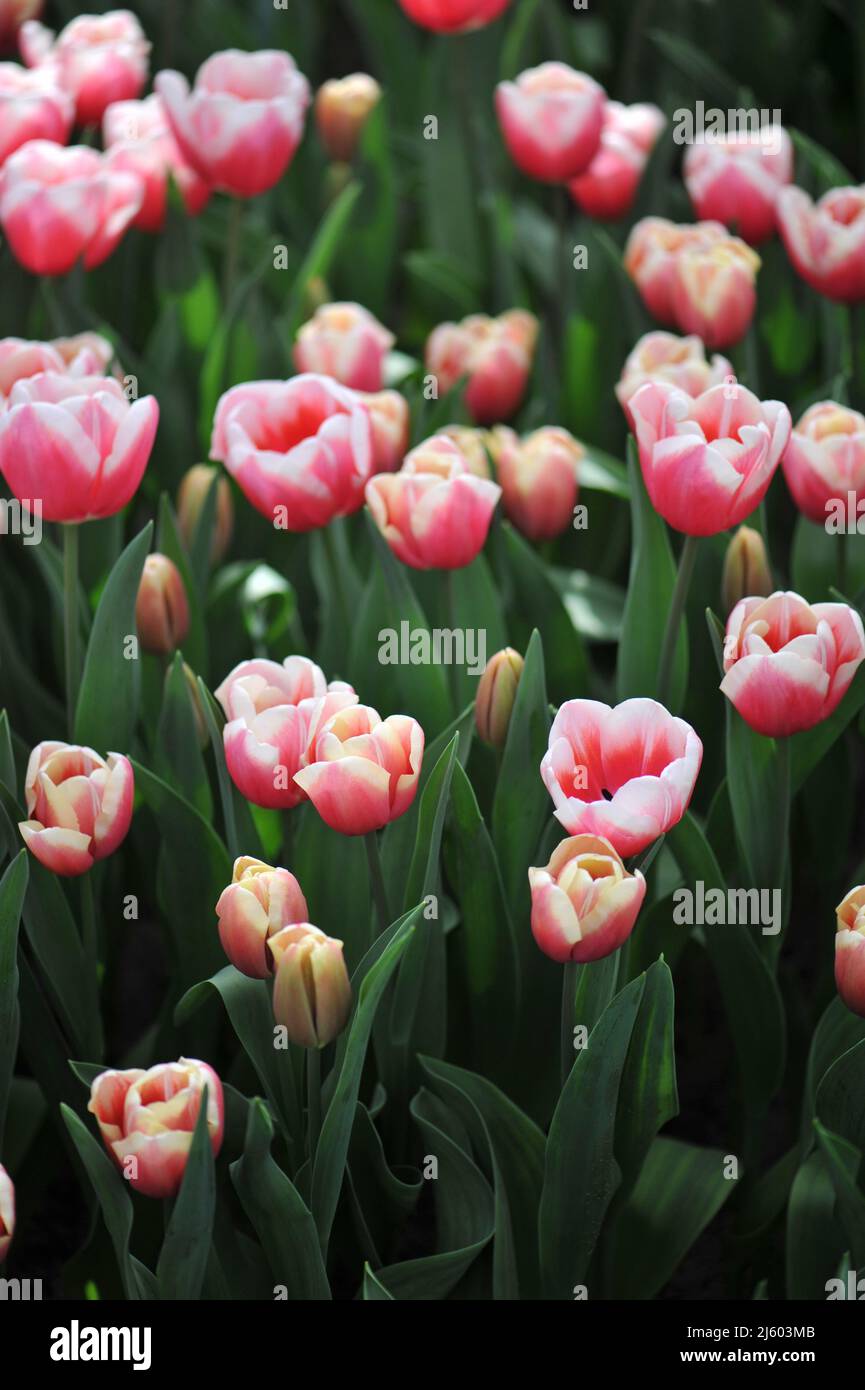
714 291
434 513
270 709
707 463
736 179
825 459
538 477
64 204
342 107
474 444
494 354
651 253
98 58
311 991
551 119
346 342
826 240
850 950
454 16
300 450
390 422
76 444
680 362
243 120
7 1212
608 187
626 773
584 903
257 904
138 141
363 770
14 13
33 106
20 358
147 1120
83 354
788 664
79 806
161 608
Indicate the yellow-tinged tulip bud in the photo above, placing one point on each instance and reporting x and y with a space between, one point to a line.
311 990
746 569
194 488
497 691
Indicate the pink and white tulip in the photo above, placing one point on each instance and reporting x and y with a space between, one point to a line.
584 903
33 106
494 354
651 252
850 950
551 118
76 445
390 422
625 772
454 16
147 1120
347 342
363 770
538 476
608 187
300 450
736 179
342 107
787 663
825 459
714 291
14 13
7 1212
826 240
242 122
138 140
707 463
60 204
79 806
434 513
257 904
98 59
21 358
680 362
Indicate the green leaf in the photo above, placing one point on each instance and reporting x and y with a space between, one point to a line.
186 1248
171 544
838 1031
538 602
13 886
839 1096
815 1242
112 1196
648 1097
325 245
177 752
107 707
844 1161
600 472
373 1288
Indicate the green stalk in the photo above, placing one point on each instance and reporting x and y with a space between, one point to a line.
376 882
570 974
71 622
674 618
313 1099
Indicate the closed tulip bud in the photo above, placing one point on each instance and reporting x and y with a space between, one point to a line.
342 106
191 495
825 459
390 423
494 355
258 903
7 1212
826 240
850 950
453 16
362 771
714 291
497 692
472 444
79 805
746 568
584 903
311 988
538 477
161 608
191 679
346 342
551 119
147 1120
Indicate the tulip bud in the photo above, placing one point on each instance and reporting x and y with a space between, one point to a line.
161 609
258 903
584 903
7 1212
497 691
472 444
850 950
194 488
201 728
746 569
311 991
342 106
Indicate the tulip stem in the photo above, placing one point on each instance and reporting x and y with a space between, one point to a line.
570 975
313 1099
336 574
674 618
90 948
71 621
232 252
376 882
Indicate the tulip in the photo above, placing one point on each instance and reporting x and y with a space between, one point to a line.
608 187
342 108
98 58
33 106
76 443
472 444
194 489
240 125
14 13
363 770
147 1120
651 253
434 513
584 903
20 358
346 342
79 806
390 423
551 119
788 664
714 292
538 477
680 362
258 902
201 728
494 354
736 179
850 950
825 459
269 708
707 463
301 450
497 692
311 989
746 568
64 204
7 1212
83 354
454 16
138 141
826 240
626 773
161 608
